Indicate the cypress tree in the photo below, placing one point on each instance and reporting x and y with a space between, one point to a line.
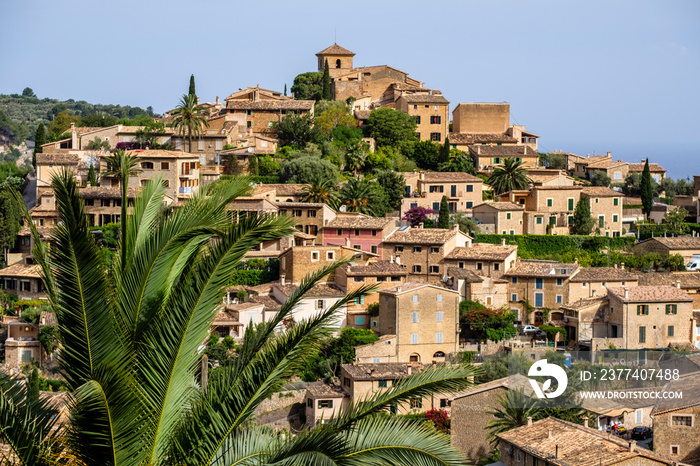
92 177
192 91
326 95
39 140
285 89
33 389
253 166
445 155
647 191
444 217
583 221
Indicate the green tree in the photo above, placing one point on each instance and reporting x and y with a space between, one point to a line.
296 131
308 86
39 140
130 351
394 185
583 221
355 158
61 123
458 162
674 220
10 218
426 154
321 191
308 169
28 92
231 165
556 161
444 213
445 153
326 82
356 196
267 166
189 118
333 116
600 178
285 89
391 127
512 411
509 176
122 165
646 190
49 338
192 89
466 224
253 165
98 145
92 177
33 390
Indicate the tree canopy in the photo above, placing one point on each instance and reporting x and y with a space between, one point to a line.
308 169
391 127
646 189
582 222
308 86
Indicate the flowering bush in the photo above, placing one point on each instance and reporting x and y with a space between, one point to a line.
417 215
440 419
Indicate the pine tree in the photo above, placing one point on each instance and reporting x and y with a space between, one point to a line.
583 221
92 177
326 82
39 140
444 216
192 91
445 155
647 191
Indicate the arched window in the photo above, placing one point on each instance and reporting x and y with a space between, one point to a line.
415 357
337 63
147 165
439 354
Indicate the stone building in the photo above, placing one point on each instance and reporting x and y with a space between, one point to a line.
658 173
360 232
505 218
492 292
431 111
324 402
677 421
23 280
310 217
299 261
488 260
590 282
586 324
424 319
339 60
688 281
426 189
104 205
487 157
463 141
650 316
685 246
482 117
22 345
615 170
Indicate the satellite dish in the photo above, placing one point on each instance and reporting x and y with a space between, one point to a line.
445 278
342 208
250 150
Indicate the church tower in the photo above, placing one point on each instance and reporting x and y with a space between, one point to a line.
339 60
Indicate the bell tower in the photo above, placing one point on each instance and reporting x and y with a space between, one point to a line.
339 60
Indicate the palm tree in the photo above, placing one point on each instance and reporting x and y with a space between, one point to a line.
190 118
355 158
356 196
513 412
130 351
509 176
322 192
122 165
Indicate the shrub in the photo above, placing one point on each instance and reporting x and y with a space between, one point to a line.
551 331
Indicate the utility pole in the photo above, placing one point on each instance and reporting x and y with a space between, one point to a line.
205 372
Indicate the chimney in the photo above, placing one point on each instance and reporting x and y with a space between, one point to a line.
608 153
678 284
217 100
622 266
283 279
529 421
556 451
347 242
74 137
478 150
549 433
615 265
421 176
503 241
398 260
420 225
576 260
632 445
398 289
391 259
627 293
455 227
585 421
410 369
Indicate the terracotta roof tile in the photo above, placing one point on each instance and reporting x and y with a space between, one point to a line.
600 191
678 242
57 159
385 370
104 192
159 153
326 391
421 236
481 138
412 286
21 270
653 167
425 98
688 280
335 49
503 151
502 206
467 275
689 385
450 177
597 274
605 164
534 268
235 104
483 251
359 222
650 294
378 268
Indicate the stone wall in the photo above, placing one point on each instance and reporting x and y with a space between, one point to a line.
469 420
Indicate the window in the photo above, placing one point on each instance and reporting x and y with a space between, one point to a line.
434 269
642 309
514 280
616 201
219 144
638 414
496 160
340 232
514 296
539 283
671 330
358 247
359 321
416 403
560 299
615 218
469 204
436 136
415 107
346 381
315 256
571 203
311 213
330 256
601 221
357 232
435 120
200 145
539 299
395 279
248 112
374 232
497 266
682 421
89 202
553 220
325 404
414 338
143 183
435 107
414 317
438 337
147 165
416 269
337 63
642 334
479 266
550 202
434 250
381 279
470 188
436 189
319 304
560 281
417 249
415 297
373 249
439 298
538 220
672 309
507 215
398 248
310 403
165 165
382 383
436 206
166 183
438 316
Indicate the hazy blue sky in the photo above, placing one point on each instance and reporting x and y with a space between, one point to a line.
587 76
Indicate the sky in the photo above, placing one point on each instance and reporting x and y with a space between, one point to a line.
587 76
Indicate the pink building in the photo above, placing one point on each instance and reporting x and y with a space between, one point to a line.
358 232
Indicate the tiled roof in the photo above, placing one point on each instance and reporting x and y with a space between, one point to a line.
290 189
359 222
450 177
225 317
159 153
425 98
385 370
421 236
481 138
501 205
598 274
605 164
583 303
288 104
335 49
242 306
688 280
599 191
321 290
503 151
678 242
653 167
482 251
362 114
326 391
378 268
649 294
309 205
564 443
270 303
534 268
689 385
103 192
464 274
57 159
412 286
84 129
515 381
21 270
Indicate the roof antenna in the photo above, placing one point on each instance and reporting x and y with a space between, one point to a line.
335 35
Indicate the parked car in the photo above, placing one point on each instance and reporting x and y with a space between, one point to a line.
525 329
642 433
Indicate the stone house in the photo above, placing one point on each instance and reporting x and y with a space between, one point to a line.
549 177
310 217
487 157
299 261
234 319
543 284
424 319
324 402
488 260
589 282
685 246
650 316
360 232
615 170
553 441
628 410
22 345
422 251
382 350
492 292
580 164
426 189
317 300
677 421
689 282
350 277
585 322
506 217
658 173
482 117
431 111
23 280
463 141
104 205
